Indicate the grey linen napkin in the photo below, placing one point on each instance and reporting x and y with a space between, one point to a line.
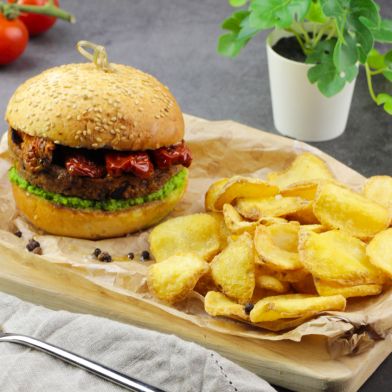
162 360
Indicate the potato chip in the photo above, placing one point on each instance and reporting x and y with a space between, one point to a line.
331 288
305 216
379 189
305 167
340 208
212 193
174 278
337 256
271 283
284 276
234 221
205 284
317 228
271 220
197 233
277 246
305 285
224 232
238 186
256 209
379 251
304 189
233 270
294 306
217 304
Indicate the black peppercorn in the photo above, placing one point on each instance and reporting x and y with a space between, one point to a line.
32 244
105 257
18 233
248 308
97 252
130 255
145 255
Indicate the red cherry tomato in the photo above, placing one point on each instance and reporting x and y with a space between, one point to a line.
13 39
36 23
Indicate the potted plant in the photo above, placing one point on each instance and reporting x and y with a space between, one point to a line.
313 56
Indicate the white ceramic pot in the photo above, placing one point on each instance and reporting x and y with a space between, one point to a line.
300 110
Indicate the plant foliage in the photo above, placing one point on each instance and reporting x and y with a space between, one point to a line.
344 35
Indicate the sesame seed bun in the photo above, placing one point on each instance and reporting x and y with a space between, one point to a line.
80 105
92 224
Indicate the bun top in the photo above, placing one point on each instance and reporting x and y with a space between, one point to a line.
80 105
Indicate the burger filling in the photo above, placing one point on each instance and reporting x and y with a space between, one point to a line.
103 179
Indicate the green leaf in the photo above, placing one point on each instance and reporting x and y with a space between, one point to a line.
237 3
381 33
388 59
345 53
315 13
375 60
229 45
385 100
233 23
329 79
363 36
388 75
247 31
336 9
277 13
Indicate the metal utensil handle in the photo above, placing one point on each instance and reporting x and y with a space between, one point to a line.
81 362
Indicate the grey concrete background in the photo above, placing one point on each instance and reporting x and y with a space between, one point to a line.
175 40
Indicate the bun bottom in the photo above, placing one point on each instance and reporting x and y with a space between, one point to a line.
92 224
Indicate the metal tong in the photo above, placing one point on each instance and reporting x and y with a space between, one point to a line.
99 370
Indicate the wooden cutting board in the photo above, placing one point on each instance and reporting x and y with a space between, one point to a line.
304 366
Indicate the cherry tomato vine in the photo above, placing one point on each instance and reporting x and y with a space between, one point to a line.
21 18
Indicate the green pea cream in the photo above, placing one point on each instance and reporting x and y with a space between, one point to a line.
177 181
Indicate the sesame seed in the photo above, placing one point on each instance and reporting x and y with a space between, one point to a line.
99 139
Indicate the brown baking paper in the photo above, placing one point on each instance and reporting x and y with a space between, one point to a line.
220 149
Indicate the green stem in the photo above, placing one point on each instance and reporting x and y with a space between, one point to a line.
369 82
48 9
319 35
303 31
299 39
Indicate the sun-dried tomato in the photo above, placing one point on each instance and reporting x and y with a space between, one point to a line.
177 154
79 165
137 163
37 152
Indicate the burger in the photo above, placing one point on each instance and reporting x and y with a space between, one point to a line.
96 153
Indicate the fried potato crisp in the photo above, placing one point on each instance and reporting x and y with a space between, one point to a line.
234 221
255 209
197 233
269 282
337 256
325 288
304 189
284 276
340 208
217 304
379 251
212 193
379 189
277 246
233 270
294 306
173 279
305 167
237 187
